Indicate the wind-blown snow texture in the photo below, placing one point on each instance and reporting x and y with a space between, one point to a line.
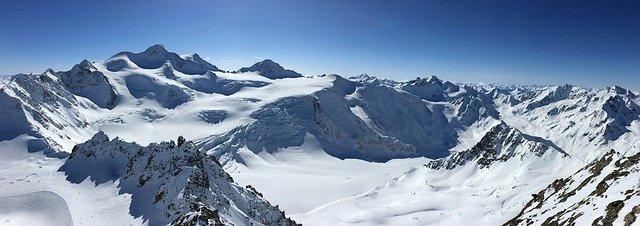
329 150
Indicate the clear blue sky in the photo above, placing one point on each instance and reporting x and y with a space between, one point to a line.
593 44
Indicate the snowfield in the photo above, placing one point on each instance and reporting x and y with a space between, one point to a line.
265 145
36 208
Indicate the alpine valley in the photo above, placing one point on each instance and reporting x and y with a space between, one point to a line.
158 138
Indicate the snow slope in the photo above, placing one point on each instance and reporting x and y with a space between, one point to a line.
604 192
479 185
32 190
35 208
363 146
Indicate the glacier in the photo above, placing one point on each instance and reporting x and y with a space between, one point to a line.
322 149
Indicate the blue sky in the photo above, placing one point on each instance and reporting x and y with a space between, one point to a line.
588 43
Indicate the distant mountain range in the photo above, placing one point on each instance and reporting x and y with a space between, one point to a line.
493 154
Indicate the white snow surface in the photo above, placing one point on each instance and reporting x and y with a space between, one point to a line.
327 150
35 208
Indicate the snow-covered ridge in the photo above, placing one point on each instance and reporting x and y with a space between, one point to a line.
501 143
155 57
170 183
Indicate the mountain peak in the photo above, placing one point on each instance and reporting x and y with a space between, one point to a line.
84 65
269 61
156 56
270 69
85 62
50 71
156 50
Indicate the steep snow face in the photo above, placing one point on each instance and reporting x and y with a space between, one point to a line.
407 118
605 192
270 69
86 81
170 183
327 114
40 106
155 57
324 114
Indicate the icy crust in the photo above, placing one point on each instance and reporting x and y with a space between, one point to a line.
86 81
155 57
270 69
605 192
170 183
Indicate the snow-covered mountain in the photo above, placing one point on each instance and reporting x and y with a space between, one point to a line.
368 150
157 56
270 69
500 144
170 183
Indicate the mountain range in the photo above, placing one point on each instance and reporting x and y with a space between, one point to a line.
322 149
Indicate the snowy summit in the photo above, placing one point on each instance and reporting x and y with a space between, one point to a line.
158 138
270 69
